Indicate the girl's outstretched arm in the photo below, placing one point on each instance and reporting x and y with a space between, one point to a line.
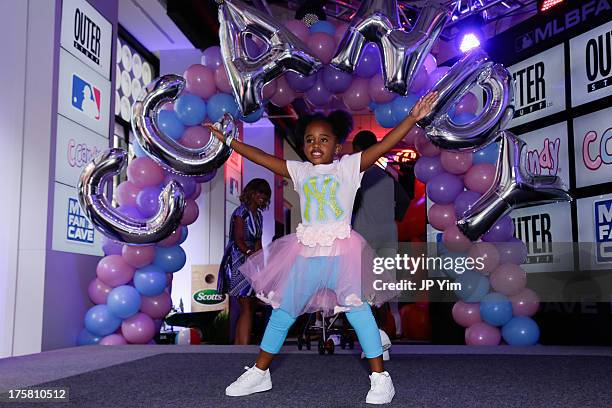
254 154
418 112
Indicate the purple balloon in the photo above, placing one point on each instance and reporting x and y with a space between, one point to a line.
444 188
514 251
501 231
148 201
427 167
318 95
369 63
111 247
211 57
206 177
131 212
299 82
464 202
336 81
188 183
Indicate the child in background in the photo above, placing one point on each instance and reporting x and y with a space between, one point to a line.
324 265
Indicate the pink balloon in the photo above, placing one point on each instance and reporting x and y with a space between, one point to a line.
525 303
430 63
114 271
172 240
98 291
412 135
112 340
169 277
482 334
284 95
195 137
200 80
156 307
340 31
222 81
442 216
480 177
138 329
489 254
322 46
466 314
468 104
126 193
377 90
508 279
454 239
456 162
299 29
191 213
424 146
138 256
169 106
144 172
269 90
197 192
357 97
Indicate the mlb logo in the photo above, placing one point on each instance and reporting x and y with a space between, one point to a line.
85 97
603 230
523 42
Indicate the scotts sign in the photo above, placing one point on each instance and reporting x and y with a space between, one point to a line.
582 12
208 297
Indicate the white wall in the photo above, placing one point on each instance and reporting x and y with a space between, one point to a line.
11 142
261 134
37 103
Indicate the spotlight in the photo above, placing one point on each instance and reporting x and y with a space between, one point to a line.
545 5
470 33
468 41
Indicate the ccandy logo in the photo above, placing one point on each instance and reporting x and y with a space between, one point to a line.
208 297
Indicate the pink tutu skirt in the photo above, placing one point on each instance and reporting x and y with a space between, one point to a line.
303 279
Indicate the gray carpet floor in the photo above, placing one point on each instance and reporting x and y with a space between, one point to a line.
199 380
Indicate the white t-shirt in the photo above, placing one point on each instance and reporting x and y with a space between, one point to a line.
327 191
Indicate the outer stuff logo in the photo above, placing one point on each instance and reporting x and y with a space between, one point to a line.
546 161
85 97
603 230
599 62
530 88
562 23
604 154
78 227
86 36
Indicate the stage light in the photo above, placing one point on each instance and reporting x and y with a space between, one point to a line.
406 156
545 5
469 41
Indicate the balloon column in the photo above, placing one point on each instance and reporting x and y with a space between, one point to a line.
131 291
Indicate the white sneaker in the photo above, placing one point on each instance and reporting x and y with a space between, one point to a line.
252 381
381 389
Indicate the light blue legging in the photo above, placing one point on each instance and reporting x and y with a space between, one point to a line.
360 318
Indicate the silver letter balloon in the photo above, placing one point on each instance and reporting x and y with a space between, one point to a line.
161 148
117 226
513 187
402 52
248 75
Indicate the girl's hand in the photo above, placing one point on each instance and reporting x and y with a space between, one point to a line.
424 106
213 129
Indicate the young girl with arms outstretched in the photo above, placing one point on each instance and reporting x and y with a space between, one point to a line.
324 265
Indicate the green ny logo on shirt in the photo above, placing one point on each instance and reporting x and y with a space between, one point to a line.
326 197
